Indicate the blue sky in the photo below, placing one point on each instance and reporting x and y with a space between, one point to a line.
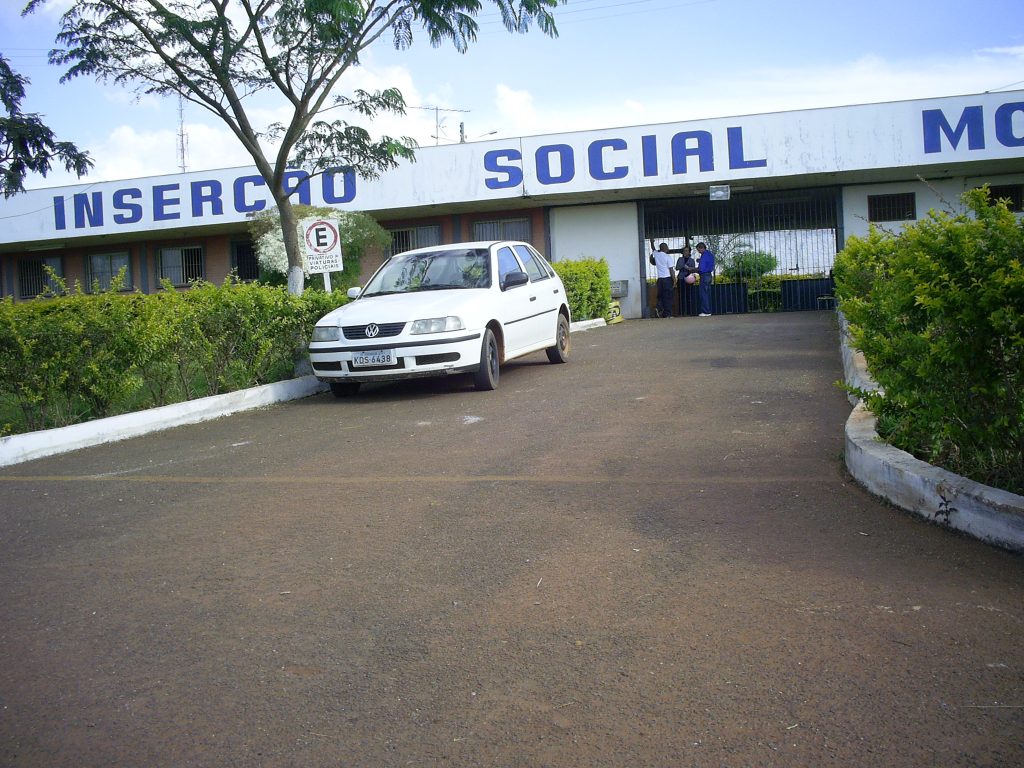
615 62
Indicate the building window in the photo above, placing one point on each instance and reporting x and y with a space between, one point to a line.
182 265
101 268
33 277
1013 194
898 207
414 237
502 229
243 260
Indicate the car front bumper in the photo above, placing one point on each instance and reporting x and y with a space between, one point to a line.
458 352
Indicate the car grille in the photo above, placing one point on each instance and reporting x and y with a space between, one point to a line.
359 331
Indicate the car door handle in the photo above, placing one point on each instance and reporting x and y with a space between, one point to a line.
533 298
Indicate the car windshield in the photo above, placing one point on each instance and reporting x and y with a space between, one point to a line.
432 271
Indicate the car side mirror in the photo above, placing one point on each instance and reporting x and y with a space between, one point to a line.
354 291
512 279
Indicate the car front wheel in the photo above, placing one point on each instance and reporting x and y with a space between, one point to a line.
486 377
560 352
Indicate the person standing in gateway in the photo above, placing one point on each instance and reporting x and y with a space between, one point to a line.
706 270
663 262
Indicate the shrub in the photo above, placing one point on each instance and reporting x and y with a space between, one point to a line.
588 287
938 311
86 356
748 265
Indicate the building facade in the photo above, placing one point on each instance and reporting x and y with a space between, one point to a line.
791 184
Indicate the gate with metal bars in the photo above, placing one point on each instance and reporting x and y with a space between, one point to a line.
773 251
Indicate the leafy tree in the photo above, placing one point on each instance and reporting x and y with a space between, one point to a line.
218 53
749 265
26 144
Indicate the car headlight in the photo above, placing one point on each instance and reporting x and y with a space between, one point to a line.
326 333
437 325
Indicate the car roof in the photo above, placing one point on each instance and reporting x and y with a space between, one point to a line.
462 246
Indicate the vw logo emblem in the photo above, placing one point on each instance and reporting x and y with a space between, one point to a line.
372 330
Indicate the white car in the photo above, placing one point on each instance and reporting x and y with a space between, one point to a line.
446 309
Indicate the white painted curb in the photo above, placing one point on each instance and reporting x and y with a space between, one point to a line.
586 325
15 449
986 513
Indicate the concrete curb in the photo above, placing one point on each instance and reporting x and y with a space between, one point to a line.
989 514
14 449
586 325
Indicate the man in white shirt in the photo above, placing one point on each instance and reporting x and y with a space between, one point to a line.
662 261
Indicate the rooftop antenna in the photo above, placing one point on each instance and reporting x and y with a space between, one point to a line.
437 119
182 136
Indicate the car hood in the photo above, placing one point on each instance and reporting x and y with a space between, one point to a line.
405 307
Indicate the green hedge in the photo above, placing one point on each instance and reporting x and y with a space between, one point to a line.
86 356
938 311
588 287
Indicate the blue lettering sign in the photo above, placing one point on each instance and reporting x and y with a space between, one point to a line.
566 164
59 215
736 159
133 211
935 126
329 183
513 174
88 213
298 180
649 150
595 155
703 151
207 192
162 202
241 203
1004 125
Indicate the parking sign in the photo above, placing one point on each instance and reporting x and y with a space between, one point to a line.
322 242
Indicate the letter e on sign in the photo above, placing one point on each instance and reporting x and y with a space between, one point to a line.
322 243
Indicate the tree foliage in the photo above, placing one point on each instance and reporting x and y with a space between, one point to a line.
219 53
748 265
27 145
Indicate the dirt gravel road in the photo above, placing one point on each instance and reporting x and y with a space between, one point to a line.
651 556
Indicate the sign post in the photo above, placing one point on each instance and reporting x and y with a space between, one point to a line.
322 242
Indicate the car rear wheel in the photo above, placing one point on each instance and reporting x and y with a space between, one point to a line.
344 388
560 352
486 377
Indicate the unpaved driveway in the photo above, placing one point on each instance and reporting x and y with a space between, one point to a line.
651 556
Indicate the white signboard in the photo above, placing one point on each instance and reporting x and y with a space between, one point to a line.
322 242
916 134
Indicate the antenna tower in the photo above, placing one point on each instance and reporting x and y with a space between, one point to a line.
182 136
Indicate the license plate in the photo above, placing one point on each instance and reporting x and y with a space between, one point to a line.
374 358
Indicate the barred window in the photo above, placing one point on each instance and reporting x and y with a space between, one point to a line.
414 237
182 265
33 278
101 268
1013 194
898 207
502 229
243 260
